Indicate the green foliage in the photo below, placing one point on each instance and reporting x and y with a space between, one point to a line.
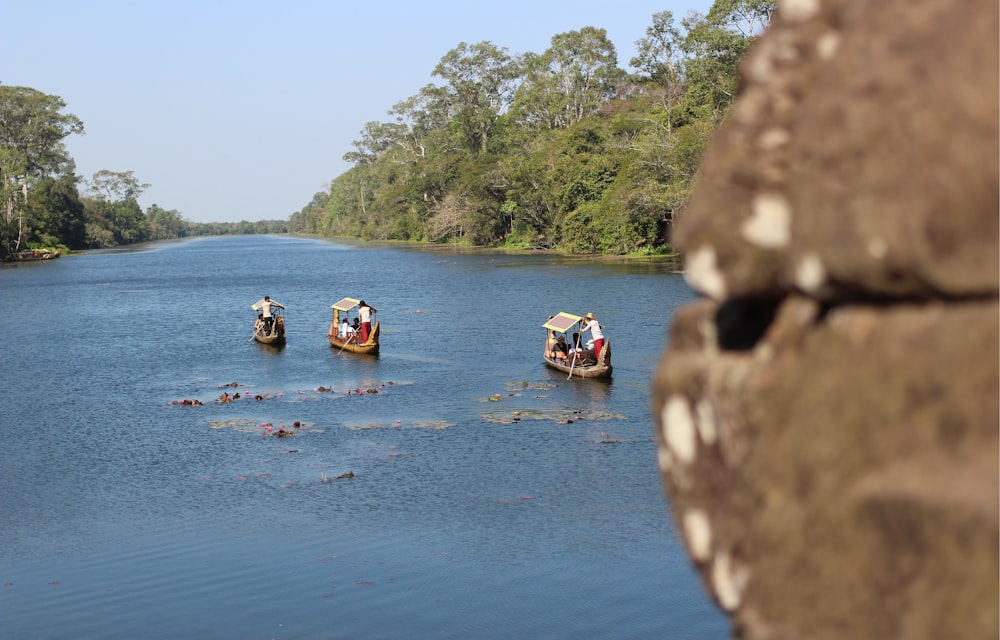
32 130
560 149
55 214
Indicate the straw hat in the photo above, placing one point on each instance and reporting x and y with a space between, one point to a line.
590 315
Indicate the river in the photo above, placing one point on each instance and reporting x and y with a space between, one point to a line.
486 495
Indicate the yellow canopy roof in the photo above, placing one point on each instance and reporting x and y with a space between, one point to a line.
345 304
562 321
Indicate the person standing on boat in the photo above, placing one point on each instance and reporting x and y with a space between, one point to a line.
265 304
365 313
590 323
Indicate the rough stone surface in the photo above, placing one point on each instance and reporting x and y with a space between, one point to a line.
874 126
827 415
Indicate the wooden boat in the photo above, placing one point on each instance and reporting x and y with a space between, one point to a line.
352 342
36 254
583 365
276 336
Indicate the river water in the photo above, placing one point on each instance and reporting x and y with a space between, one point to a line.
491 497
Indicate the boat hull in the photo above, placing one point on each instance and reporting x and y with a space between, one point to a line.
602 369
273 340
371 347
30 255
276 338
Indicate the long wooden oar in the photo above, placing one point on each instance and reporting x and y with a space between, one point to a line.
347 338
572 362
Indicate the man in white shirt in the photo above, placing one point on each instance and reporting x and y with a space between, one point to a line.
365 313
264 305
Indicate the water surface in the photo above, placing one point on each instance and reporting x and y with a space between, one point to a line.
537 514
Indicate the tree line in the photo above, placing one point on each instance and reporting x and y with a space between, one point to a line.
46 205
561 150
558 150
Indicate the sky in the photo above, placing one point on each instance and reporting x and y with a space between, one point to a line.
243 110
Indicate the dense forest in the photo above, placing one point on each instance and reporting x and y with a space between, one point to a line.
561 150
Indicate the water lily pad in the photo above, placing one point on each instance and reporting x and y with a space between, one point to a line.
562 416
525 385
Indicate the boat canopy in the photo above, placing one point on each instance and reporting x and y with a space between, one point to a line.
562 321
345 304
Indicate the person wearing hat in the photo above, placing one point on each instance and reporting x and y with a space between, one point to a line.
560 351
590 323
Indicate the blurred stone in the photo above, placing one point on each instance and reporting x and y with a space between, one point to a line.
860 160
828 414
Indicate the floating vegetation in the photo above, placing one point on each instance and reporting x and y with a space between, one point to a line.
561 416
428 424
237 424
226 398
496 397
344 476
248 425
367 388
534 386
433 424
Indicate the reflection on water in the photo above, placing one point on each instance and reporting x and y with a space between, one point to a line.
452 487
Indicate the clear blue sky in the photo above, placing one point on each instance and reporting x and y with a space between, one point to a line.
243 110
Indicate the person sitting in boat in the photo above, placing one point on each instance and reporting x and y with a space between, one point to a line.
560 351
550 343
577 353
258 325
346 330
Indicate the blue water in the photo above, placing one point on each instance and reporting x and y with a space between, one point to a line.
127 514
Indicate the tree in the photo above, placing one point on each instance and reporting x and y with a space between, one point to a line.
116 186
479 86
574 78
717 44
164 225
659 54
56 214
32 131
746 18
116 206
419 116
376 137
